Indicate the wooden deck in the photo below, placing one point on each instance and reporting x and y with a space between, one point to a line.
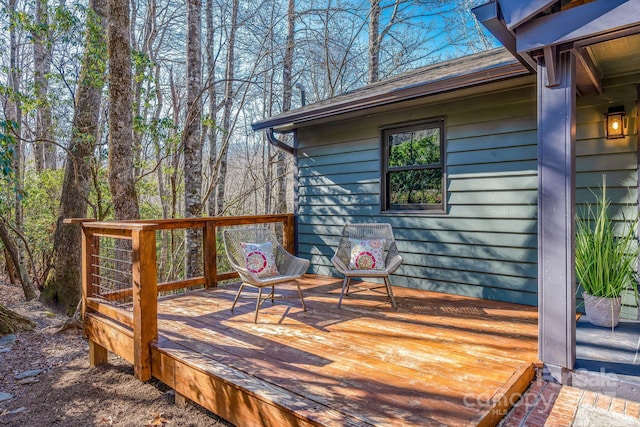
438 359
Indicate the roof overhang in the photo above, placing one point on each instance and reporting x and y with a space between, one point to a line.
586 24
354 102
536 28
490 16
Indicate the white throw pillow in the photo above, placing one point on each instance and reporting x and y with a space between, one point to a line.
367 254
260 259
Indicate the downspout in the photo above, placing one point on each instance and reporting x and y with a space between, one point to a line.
271 137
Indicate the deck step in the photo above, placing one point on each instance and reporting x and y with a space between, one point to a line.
206 381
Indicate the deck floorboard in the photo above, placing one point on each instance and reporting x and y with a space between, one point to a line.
438 359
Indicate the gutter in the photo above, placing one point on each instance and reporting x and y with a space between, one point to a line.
335 108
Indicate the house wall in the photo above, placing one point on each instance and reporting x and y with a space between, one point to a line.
617 159
485 245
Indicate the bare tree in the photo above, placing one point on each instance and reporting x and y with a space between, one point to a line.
211 129
192 136
228 107
12 249
121 182
13 126
287 87
44 151
62 286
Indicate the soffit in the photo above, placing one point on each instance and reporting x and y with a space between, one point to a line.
618 56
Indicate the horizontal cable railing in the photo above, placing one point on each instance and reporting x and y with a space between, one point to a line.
127 265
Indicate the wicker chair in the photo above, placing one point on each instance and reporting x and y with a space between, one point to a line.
342 258
289 267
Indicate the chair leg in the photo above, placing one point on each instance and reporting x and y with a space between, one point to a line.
273 294
346 291
258 303
345 286
237 296
304 307
390 293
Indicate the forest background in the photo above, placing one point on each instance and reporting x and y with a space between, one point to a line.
115 109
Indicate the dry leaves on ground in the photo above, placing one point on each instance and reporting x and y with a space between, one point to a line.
48 376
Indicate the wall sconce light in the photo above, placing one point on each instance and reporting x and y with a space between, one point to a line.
615 119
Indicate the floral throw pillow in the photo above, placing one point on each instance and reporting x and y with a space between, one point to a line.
259 259
367 254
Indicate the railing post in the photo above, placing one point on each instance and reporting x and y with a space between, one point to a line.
288 234
145 300
98 355
210 254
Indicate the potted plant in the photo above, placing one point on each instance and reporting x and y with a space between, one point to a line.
605 262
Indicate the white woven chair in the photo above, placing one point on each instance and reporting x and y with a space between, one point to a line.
342 257
290 268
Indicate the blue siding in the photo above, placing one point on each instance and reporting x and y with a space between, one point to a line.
485 245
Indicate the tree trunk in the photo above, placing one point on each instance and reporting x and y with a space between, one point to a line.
11 322
62 287
142 66
374 41
44 152
121 182
192 138
213 108
10 268
14 114
228 105
281 169
12 249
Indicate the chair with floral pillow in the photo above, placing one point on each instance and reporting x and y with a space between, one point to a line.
367 250
262 262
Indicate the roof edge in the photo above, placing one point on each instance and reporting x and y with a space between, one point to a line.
479 77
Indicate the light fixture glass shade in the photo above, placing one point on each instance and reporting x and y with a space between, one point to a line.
615 122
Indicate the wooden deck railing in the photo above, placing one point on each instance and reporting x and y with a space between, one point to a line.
139 315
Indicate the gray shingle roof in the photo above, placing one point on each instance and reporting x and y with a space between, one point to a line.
480 68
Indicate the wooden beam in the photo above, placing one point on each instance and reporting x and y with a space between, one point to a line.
180 400
180 284
556 213
507 395
78 220
593 19
589 67
226 276
550 60
289 236
110 335
210 254
516 12
489 15
145 300
98 355
112 312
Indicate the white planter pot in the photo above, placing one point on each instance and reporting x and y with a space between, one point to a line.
602 311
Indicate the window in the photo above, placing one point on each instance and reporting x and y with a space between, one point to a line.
413 167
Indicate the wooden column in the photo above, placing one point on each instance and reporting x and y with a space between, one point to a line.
289 234
556 212
210 251
145 299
